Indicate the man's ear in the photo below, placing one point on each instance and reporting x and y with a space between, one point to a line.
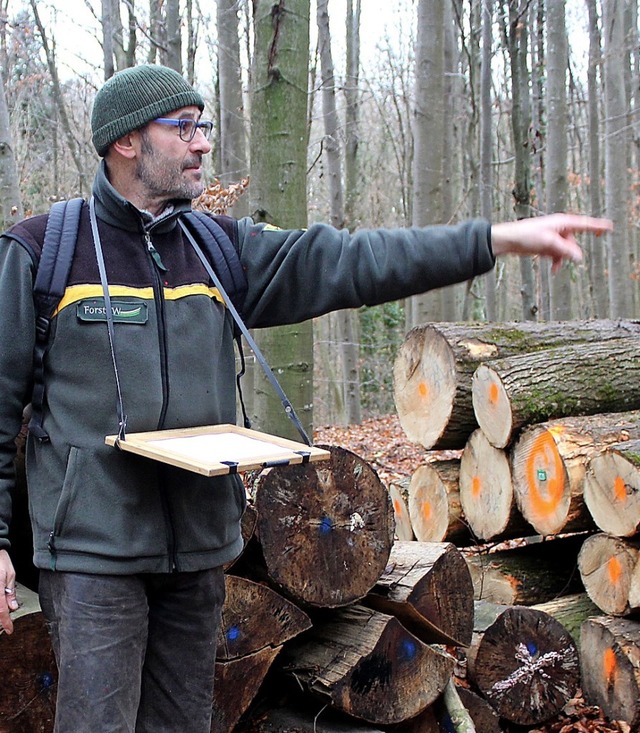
127 145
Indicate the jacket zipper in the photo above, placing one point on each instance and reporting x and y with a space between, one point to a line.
158 286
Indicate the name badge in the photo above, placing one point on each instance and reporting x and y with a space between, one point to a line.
123 311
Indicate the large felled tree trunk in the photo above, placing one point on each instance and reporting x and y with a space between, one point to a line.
549 467
434 503
584 379
486 491
432 372
523 661
610 672
368 665
427 586
256 623
612 487
325 532
609 570
527 575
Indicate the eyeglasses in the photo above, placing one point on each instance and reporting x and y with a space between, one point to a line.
188 127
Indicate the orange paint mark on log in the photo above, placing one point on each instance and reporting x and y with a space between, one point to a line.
615 570
423 390
494 393
426 511
609 664
545 476
476 486
397 507
619 489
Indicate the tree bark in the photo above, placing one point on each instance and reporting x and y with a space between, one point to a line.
11 209
610 672
325 531
427 587
434 366
549 463
369 666
278 192
527 575
571 611
557 145
616 185
596 253
233 146
581 379
429 137
612 487
486 491
523 661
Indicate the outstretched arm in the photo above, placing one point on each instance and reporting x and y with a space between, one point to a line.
551 236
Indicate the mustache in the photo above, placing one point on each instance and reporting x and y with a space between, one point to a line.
195 161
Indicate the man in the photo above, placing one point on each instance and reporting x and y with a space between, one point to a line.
130 551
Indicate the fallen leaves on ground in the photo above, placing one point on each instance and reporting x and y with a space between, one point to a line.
382 443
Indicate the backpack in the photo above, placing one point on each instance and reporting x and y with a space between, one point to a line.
55 263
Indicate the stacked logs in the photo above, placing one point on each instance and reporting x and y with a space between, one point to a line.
546 419
325 612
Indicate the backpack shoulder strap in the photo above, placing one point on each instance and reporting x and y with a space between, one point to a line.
50 283
222 253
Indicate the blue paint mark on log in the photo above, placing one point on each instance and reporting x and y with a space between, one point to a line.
326 525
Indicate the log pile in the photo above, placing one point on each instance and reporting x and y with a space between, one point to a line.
548 429
337 618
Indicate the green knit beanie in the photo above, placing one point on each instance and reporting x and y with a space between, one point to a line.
135 96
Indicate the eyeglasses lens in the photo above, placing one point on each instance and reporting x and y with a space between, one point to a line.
188 129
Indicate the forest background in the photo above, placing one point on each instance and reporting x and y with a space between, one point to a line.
366 114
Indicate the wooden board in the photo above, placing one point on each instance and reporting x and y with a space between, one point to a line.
215 450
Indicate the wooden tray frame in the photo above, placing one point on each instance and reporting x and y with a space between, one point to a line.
146 444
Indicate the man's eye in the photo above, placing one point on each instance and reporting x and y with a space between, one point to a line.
187 127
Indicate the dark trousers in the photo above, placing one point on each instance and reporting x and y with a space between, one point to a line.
135 654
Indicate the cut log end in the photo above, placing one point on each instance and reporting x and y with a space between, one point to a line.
371 667
610 676
612 493
540 479
326 530
527 666
486 490
424 382
606 566
492 406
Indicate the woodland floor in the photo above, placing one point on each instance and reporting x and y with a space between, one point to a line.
382 443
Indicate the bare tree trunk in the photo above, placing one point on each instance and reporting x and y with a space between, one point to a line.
616 189
345 320
10 199
156 31
233 138
107 39
278 191
192 43
486 145
57 93
596 252
557 119
517 41
429 137
174 41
